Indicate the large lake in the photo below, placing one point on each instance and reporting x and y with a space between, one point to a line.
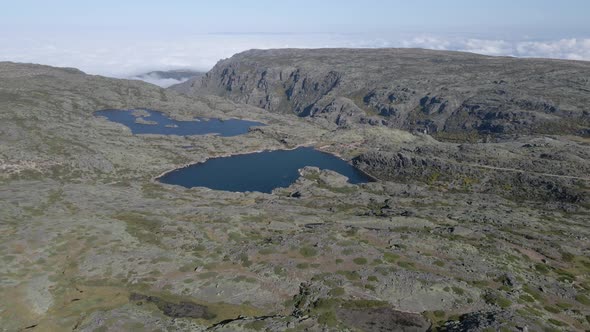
260 172
153 122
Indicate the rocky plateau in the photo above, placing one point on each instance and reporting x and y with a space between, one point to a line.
478 219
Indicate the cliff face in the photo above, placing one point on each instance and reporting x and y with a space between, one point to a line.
450 94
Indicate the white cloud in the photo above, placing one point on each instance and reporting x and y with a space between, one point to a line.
159 81
430 42
126 55
573 49
488 47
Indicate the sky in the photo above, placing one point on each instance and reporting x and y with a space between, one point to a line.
126 38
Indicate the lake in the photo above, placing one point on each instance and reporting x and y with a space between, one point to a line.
262 172
154 122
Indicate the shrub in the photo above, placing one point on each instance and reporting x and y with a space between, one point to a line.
406 265
390 257
542 268
338 291
583 299
439 314
567 257
328 318
552 310
308 252
458 290
360 261
302 265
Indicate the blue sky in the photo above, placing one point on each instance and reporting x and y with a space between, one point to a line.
122 38
540 18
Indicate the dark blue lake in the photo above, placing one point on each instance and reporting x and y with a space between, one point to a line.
261 172
154 122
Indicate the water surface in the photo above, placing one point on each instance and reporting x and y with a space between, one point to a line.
261 172
158 123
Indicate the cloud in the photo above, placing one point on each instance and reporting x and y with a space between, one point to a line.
127 55
163 81
430 42
573 49
488 47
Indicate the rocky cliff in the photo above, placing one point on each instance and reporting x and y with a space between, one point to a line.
452 95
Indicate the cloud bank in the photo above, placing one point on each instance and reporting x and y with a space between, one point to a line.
127 56
570 49
159 81
165 79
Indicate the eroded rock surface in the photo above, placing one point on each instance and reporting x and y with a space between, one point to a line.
457 96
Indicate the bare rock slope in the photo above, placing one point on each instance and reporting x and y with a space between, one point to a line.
458 96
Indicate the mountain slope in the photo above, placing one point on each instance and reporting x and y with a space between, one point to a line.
450 94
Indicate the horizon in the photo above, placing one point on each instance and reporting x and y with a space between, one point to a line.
133 38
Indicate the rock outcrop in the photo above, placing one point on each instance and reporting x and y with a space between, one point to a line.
456 96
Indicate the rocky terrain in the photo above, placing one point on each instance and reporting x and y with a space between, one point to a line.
452 95
478 232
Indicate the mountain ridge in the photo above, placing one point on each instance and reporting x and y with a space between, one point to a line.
452 95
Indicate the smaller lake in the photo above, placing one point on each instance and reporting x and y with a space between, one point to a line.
260 172
153 122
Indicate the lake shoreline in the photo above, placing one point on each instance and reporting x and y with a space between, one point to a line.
360 177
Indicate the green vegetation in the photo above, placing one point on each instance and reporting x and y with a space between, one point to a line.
583 299
390 257
328 318
406 265
552 310
338 291
503 302
495 298
350 275
439 263
542 268
308 252
245 260
360 261
567 257
458 290
564 305
533 292
527 298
